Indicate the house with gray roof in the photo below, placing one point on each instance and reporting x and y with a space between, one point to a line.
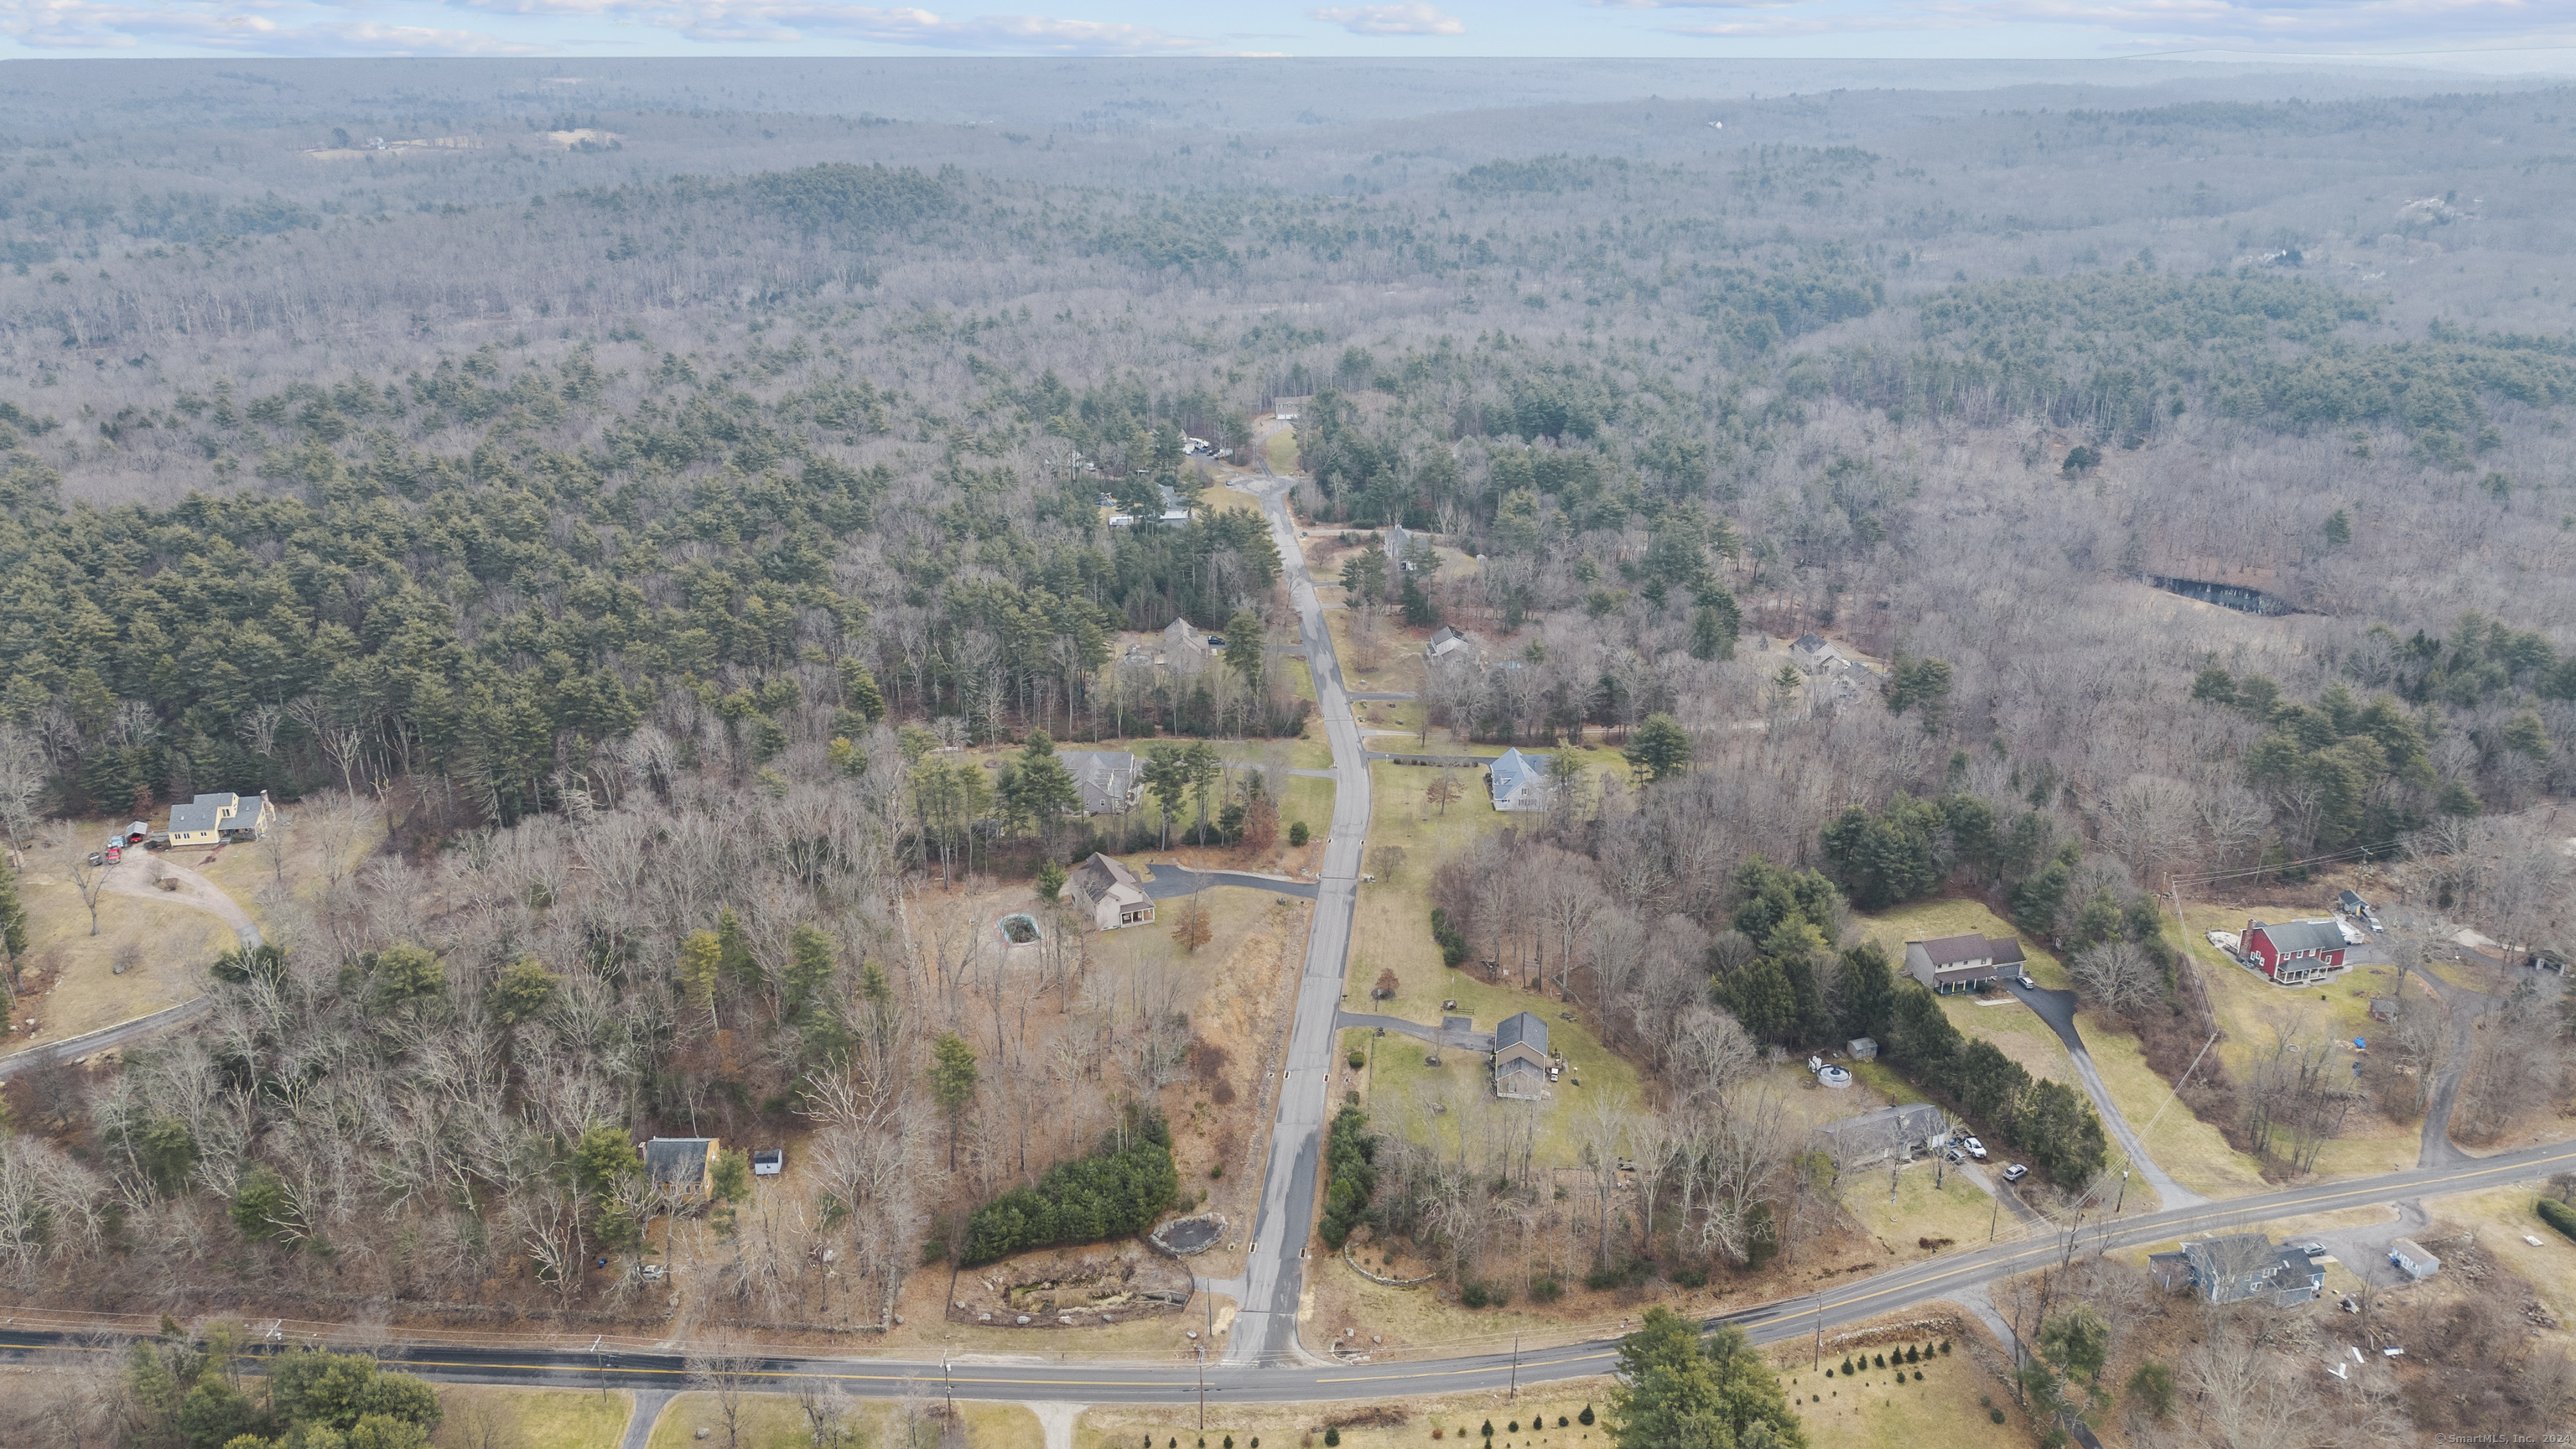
1110 782
1109 894
217 819
1518 782
1521 1057
681 1166
2240 1268
1969 962
1888 1134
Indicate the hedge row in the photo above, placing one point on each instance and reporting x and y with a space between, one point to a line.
1120 1189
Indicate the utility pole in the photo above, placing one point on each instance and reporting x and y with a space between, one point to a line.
1204 1340
950 1381
1820 1331
1515 1393
1994 1215
2124 1193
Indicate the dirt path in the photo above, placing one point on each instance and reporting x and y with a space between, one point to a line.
135 878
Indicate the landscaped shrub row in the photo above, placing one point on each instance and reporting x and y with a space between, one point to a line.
2558 1215
1348 1157
1118 1190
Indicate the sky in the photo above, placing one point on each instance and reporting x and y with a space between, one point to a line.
2490 35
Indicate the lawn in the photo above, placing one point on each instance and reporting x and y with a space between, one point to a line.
1387 661
2250 1008
1280 448
774 1421
1948 1409
2193 1151
1956 1210
1457 1417
167 946
537 1418
1926 920
1307 799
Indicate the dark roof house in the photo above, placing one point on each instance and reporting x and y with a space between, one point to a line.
1964 962
2242 1267
1874 1137
1520 1056
680 1165
1109 781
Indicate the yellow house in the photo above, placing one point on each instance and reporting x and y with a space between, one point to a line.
212 819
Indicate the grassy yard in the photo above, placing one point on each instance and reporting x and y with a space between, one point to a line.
1280 448
165 945
1925 920
1956 1210
773 1421
537 1418
1948 1409
2194 1152
1458 1417
2251 1009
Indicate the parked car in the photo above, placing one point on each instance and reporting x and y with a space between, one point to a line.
1975 1148
2027 984
2016 1173
768 1162
2311 1247
1954 1154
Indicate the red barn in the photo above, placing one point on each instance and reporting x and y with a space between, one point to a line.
2293 952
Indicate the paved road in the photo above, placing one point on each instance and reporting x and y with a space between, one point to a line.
2057 1008
1035 1379
1273 1281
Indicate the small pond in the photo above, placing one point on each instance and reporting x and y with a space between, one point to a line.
1021 930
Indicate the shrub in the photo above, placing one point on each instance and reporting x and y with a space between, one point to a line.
1513 1427
1298 835
1585 1417
1472 1294
2153 1386
1913 1354
1847 1366
1488 1430
2557 1214
1918 1376
1332 1437
1118 1190
1349 1157
1690 1278
1995 1414
1945 1345
1560 1421
1358 1059
1453 942
1546 1290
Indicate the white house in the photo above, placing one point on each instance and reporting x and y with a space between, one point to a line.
1109 893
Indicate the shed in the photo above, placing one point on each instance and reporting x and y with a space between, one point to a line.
2408 1257
1863 1049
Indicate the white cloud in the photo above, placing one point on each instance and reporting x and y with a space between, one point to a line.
1413 18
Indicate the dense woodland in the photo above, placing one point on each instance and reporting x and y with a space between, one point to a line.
623 506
